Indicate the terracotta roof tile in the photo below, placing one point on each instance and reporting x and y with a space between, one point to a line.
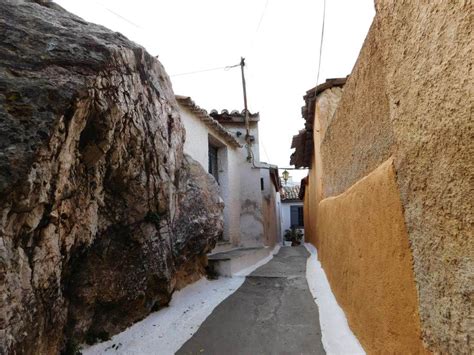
234 116
303 141
290 192
187 102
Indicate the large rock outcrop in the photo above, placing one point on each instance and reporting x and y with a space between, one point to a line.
101 215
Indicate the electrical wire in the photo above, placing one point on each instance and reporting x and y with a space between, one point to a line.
228 67
321 42
251 45
123 18
292 168
206 70
254 166
265 150
261 17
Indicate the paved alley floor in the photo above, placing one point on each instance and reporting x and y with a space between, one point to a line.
273 312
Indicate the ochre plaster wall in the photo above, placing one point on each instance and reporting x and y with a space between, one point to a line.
410 97
429 84
271 220
326 105
359 137
310 207
363 247
270 210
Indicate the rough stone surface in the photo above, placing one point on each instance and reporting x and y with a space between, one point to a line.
325 107
430 89
359 136
410 97
101 216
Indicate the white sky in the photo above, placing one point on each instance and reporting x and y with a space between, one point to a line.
279 39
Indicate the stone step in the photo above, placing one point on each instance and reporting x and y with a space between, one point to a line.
223 246
230 262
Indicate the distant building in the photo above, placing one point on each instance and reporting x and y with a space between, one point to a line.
218 151
256 217
249 188
291 208
271 203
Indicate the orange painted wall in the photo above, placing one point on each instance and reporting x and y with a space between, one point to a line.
309 209
363 247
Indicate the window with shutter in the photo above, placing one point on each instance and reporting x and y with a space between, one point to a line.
213 162
296 216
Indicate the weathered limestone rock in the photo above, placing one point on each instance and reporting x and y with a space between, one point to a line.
101 216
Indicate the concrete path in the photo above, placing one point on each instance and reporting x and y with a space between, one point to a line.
273 312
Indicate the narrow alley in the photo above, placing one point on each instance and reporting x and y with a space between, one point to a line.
273 312
236 177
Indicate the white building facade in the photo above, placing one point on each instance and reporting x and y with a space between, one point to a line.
249 189
218 152
291 209
259 223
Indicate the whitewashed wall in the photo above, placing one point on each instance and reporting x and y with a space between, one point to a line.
286 215
251 217
196 145
229 185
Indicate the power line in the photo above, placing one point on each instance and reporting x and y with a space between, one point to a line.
232 66
292 168
123 18
206 70
261 17
321 42
265 150
250 48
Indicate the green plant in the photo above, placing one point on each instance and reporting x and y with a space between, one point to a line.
294 236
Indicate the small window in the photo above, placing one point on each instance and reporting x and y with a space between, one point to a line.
296 216
262 184
213 162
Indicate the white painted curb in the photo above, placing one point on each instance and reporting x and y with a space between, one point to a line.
164 332
337 337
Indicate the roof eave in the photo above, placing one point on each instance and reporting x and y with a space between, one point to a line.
187 102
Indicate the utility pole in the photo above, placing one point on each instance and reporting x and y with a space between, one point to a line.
247 123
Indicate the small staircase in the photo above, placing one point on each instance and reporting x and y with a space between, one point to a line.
222 246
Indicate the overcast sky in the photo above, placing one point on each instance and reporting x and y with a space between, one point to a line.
279 39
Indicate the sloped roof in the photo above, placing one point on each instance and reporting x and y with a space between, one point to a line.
303 184
303 141
290 193
227 136
307 111
234 116
274 175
